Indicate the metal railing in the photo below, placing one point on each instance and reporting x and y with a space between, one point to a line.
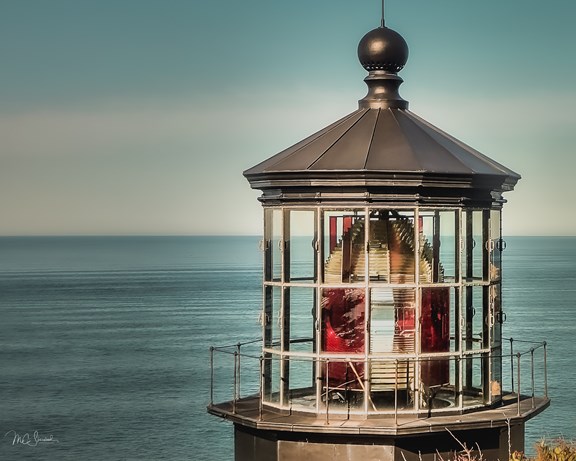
337 385
519 373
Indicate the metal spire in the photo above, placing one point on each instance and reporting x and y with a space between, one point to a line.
382 20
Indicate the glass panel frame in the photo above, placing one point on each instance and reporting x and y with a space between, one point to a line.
392 246
301 246
272 318
271 364
343 245
475 320
440 235
474 237
273 244
496 245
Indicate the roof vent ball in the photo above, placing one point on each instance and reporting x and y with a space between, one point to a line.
383 49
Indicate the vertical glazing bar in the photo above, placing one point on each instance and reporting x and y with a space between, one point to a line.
318 311
396 393
512 362
418 231
545 370
518 356
211 375
261 402
367 376
327 393
235 382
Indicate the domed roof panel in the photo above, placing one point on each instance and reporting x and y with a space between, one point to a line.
351 150
381 141
476 161
302 155
390 148
432 157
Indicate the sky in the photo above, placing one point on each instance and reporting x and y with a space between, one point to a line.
138 117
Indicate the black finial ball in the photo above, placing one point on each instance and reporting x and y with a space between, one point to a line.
383 49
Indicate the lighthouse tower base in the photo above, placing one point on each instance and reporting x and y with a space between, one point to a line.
258 445
262 434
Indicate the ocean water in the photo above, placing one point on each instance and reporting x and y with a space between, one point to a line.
104 340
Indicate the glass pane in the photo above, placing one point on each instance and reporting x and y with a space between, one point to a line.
272 317
391 249
438 229
439 394
276 244
343 320
342 332
496 378
392 384
344 246
301 246
435 321
473 380
302 390
455 319
392 320
271 378
496 245
474 333
301 311
473 245
345 390
497 317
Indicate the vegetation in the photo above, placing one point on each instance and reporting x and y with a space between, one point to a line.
556 450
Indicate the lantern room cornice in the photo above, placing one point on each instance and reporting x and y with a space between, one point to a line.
381 148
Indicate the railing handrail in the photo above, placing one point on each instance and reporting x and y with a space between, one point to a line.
526 373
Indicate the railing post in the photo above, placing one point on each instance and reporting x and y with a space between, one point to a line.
211 375
235 382
512 362
518 355
238 372
261 402
545 370
532 372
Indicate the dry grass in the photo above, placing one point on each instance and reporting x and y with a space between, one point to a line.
556 450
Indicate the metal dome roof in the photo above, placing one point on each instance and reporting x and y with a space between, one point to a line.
383 149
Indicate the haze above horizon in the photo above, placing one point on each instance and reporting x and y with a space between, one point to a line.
138 117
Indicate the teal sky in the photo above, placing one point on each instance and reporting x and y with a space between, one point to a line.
139 116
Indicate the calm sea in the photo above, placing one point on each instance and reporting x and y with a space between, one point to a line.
104 340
